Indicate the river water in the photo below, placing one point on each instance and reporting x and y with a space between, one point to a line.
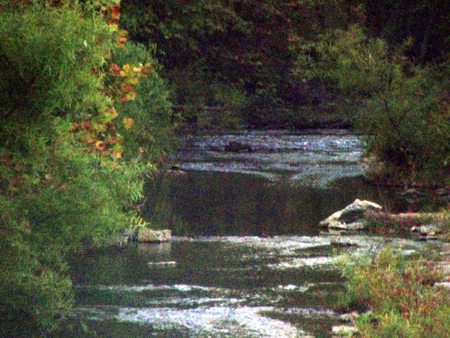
247 258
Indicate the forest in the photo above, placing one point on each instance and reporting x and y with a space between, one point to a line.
92 91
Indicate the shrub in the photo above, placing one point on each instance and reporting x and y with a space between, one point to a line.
401 106
400 294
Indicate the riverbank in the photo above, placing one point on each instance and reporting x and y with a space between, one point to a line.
392 292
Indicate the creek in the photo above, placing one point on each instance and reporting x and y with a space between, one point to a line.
248 258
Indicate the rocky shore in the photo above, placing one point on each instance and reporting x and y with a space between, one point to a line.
360 215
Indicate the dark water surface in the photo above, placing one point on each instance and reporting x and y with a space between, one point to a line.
248 259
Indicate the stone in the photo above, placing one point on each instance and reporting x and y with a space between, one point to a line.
129 234
430 229
352 217
151 236
343 331
175 170
348 317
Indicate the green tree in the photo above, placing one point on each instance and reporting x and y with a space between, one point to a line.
72 158
236 47
401 106
422 22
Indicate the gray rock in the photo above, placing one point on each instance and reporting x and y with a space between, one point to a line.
175 170
343 331
150 236
430 229
144 235
348 317
352 217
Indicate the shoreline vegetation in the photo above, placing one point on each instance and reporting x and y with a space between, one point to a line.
85 104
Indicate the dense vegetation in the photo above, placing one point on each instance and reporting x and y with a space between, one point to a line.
399 292
85 115
75 144
383 65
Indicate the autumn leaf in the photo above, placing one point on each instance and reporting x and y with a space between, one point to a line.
114 69
114 24
112 140
115 12
128 122
113 112
146 70
125 70
100 146
122 41
118 153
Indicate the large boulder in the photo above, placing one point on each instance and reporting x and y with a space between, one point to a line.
144 235
352 217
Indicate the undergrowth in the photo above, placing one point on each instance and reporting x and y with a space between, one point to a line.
397 296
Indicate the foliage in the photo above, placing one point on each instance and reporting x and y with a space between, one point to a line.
220 53
150 111
73 147
422 22
403 106
399 291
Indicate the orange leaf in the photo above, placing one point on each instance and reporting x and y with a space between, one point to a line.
146 71
115 69
115 12
114 24
112 140
100 145
113 112
128 122
118 153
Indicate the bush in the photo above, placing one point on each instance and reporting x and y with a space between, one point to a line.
401 106
400 294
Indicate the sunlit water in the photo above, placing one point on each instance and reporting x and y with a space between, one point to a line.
248 259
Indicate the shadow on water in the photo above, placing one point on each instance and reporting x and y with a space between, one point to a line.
218 203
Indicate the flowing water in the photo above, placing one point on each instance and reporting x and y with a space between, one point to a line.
248 259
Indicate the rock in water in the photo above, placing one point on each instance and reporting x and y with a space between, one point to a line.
148 235
352 217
